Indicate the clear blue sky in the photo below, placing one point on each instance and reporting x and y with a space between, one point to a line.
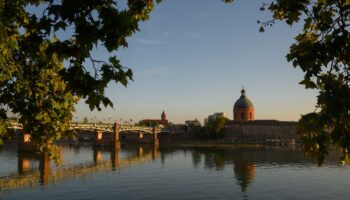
192 58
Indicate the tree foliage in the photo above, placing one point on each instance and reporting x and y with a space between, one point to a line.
216 126
322 52
212 129
34 83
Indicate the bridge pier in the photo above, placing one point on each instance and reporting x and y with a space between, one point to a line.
155 136
98 138
25 143
115 138
140 134
114 141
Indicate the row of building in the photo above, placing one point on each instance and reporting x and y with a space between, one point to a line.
242 127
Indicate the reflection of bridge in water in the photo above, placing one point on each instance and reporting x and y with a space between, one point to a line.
27 177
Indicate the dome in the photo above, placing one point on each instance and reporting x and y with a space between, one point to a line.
243 101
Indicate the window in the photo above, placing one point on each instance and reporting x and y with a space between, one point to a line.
235 114
242 115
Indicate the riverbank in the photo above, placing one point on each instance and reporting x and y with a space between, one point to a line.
218 143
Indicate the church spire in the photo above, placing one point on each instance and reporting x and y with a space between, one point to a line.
163 115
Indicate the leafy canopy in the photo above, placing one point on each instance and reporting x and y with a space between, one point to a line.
212 129
322 52
34 83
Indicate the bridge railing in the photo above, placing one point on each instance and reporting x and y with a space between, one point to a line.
94 126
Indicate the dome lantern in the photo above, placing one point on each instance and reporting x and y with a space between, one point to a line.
242 92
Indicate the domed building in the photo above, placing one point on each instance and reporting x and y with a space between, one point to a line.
243 109
244 128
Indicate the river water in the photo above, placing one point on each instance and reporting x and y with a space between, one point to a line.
152 172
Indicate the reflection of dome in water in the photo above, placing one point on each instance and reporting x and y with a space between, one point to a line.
244 173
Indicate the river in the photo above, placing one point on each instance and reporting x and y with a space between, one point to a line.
158 173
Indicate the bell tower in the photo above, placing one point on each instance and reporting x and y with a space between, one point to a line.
163 116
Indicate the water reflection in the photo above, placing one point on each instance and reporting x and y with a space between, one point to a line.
24 162
115 158
25 165
245 174
244 161
241 160
242 167
30 174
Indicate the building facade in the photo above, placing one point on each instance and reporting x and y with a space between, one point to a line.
192 123
244 127
153 122
262 131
